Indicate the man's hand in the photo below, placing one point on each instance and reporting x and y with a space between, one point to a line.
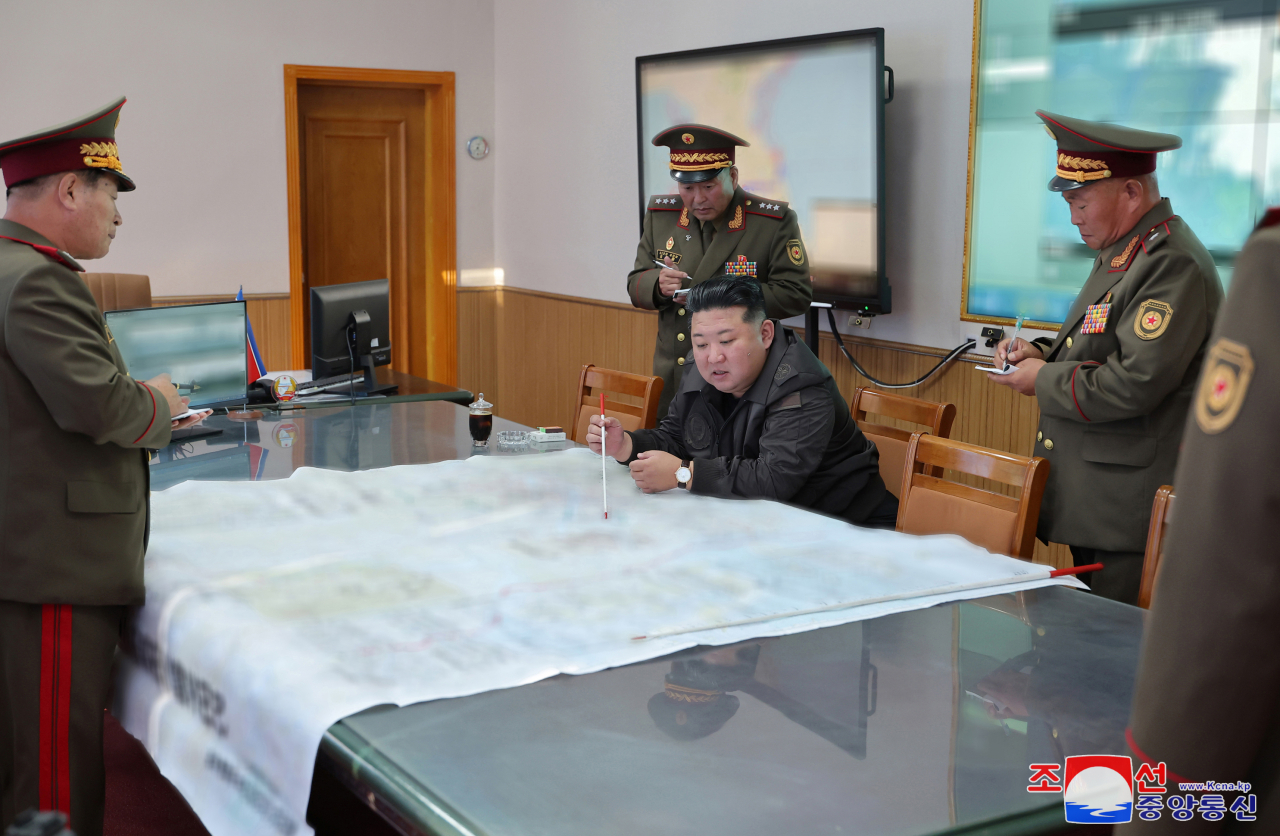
655 471
1023 380
1022 350
618 442
670 279
163 384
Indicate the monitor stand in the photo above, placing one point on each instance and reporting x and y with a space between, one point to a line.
371 385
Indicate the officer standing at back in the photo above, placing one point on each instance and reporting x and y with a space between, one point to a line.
711 227
1115 386
73 469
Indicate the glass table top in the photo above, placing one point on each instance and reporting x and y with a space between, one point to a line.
922 722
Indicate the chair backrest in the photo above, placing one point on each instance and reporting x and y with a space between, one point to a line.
933 505
119 291
1161 514
586 400
892 441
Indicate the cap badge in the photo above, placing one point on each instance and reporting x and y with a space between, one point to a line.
101 155
1223 385
1082 170
795 251
671 242
687 138
1152 319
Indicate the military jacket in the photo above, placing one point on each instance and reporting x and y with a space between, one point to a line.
790 437
1207 696
1116 389
760 237
73 428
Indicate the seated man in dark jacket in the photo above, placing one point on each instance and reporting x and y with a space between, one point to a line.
759 418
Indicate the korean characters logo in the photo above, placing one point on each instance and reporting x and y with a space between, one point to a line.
1098 789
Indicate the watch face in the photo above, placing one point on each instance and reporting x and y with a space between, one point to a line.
683 474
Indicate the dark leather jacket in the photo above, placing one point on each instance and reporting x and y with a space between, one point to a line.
789 438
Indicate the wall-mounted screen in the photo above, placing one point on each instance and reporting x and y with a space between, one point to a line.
813 110
1206 70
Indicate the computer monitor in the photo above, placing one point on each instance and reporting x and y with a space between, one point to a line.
351 329
201 347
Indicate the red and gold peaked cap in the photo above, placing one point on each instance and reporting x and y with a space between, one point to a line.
1092 151
87 142
698 152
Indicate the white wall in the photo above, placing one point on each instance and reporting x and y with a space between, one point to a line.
565 208
203 132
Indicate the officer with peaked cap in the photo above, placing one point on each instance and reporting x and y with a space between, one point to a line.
1115 387
73 469
710 227
1207 696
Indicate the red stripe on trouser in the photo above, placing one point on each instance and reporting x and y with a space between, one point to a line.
55 708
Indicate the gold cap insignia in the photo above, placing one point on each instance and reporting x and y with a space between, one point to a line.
1227 372
671 242
795 251
688 138
1152 319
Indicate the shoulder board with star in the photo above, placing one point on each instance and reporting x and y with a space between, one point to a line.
665 202
757 205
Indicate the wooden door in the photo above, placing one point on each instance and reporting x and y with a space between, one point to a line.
373 175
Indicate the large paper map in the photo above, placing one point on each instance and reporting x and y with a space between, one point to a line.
274 609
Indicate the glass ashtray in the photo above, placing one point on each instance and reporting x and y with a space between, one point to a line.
513 439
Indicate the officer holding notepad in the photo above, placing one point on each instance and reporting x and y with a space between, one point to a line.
74 429
1115 387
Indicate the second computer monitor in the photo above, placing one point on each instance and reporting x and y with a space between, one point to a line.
360 308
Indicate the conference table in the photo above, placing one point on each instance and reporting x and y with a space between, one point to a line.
918 723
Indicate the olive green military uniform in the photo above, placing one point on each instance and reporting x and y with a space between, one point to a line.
1113 403
1207 700
73 510
1115 392
760 236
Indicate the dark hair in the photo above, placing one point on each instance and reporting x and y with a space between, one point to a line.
89 176
724 292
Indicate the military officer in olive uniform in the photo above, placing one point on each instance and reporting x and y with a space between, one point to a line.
1207 697
1115 386
73 469
711 227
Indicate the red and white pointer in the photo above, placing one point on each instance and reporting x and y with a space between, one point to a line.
919 593
604 460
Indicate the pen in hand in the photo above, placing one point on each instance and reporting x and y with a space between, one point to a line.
1012 343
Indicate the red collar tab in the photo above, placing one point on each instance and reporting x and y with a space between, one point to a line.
50 252
1271 218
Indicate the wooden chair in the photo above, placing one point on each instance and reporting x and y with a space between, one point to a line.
586 401
892 441
1161 513
998 523
119 291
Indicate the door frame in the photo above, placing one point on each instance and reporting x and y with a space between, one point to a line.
441 191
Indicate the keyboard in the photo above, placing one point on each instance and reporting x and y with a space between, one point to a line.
325 383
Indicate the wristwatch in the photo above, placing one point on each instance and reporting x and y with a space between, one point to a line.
684 475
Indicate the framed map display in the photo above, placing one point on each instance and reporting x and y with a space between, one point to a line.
1206 70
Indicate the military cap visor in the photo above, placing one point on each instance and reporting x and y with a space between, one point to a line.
85 143
699 152
1093 151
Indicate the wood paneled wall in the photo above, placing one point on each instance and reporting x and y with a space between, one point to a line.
269 315
524 349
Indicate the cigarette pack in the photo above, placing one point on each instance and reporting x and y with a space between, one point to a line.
545 435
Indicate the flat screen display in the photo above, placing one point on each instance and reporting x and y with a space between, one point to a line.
813 110
202 347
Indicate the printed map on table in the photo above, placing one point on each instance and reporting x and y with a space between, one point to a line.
432 581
